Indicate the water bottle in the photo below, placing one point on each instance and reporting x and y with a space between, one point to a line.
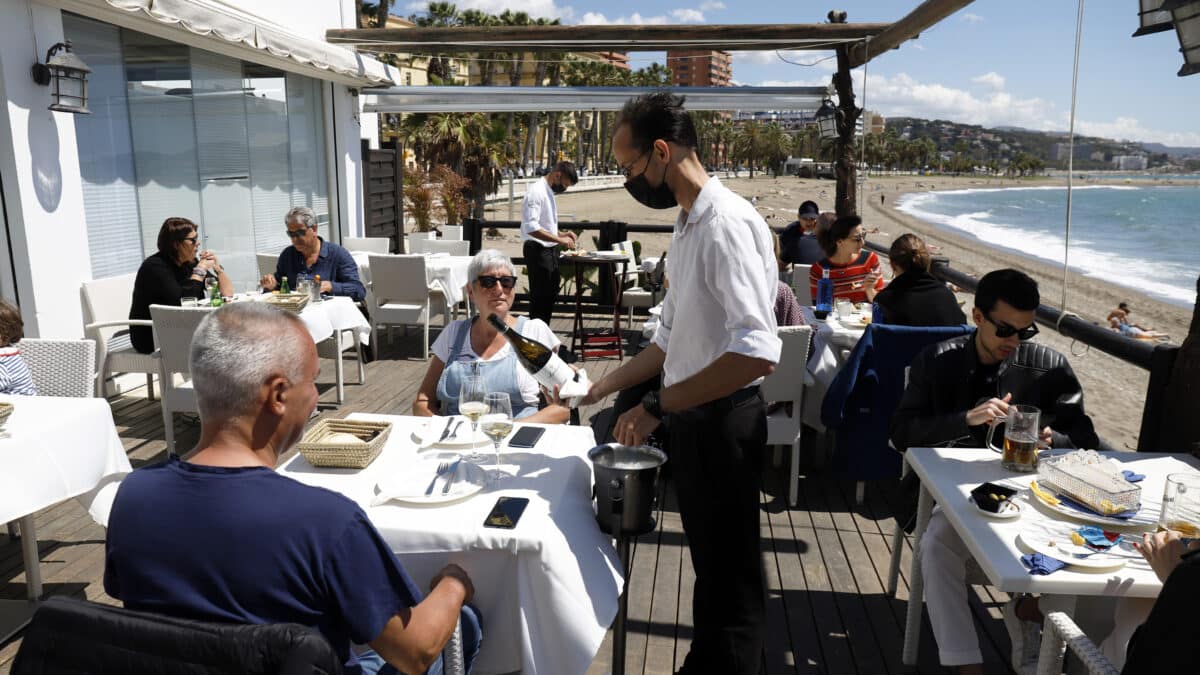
824 294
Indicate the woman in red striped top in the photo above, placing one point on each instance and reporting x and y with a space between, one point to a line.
855 271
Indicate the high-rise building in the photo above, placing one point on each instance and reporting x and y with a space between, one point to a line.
700 68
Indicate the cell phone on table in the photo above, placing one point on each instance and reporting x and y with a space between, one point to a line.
506 512
526 437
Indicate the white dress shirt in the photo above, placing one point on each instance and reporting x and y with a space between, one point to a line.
539 212
723 283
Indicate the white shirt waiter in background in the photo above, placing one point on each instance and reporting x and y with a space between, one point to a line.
539 232
715 342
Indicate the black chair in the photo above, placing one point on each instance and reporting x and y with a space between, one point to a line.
70 637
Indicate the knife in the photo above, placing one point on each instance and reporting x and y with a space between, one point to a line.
450 474
446 431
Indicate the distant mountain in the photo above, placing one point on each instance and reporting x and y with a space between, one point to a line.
1174 151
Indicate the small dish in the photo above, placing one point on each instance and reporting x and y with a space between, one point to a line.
1009 510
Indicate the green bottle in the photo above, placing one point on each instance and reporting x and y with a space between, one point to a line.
283 287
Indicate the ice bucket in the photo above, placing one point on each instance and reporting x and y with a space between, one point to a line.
626 484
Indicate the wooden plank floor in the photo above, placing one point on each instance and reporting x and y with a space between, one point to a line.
826 561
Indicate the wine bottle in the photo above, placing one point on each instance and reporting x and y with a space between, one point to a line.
542 362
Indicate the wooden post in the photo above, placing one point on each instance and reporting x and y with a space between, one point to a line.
846 170
398 193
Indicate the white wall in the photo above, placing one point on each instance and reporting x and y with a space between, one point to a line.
43 194
345 125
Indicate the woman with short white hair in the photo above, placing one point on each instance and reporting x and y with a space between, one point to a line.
473 345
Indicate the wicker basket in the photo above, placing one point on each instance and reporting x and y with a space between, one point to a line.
292 302
6 409
340 453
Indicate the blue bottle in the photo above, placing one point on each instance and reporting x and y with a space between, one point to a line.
824 293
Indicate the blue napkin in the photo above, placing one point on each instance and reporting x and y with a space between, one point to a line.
1095 538
1072 504
1133 476
1042 564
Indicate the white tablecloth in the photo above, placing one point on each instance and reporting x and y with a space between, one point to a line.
830 339
548 589
338 313
58 448
447 272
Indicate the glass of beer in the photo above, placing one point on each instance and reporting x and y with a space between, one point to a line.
1181 504
1020 438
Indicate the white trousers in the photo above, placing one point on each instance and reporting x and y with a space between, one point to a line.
944 559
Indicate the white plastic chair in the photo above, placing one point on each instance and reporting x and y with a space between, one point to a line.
800 285
368 244
400 294
786 384
106 322
452 232
1059 633
173 331
61 367
459 248
417 243
267 262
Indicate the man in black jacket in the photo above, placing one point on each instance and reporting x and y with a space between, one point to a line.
956 390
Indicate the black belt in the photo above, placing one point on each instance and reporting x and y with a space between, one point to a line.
727 403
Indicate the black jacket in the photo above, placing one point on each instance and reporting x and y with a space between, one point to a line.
798 248
916 298
933 410
1163 645
159 281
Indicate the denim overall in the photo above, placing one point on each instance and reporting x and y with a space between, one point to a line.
498 376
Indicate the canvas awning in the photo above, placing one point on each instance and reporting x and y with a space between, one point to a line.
524 99
223 28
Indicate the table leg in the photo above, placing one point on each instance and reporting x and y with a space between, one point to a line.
916 585
339 368
618 294
577 330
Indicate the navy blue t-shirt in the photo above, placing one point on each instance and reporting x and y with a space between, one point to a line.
247 545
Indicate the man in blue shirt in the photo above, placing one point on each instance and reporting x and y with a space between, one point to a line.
222 537
311 255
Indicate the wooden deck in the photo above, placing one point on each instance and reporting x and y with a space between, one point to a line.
826 560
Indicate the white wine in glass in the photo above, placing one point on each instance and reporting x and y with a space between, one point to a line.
471 405
497 424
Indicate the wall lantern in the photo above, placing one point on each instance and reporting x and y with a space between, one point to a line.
67 75
827 120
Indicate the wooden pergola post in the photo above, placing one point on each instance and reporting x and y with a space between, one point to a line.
845 165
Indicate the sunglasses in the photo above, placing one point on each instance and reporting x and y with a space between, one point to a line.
1004 330
193 239
296 234
489 281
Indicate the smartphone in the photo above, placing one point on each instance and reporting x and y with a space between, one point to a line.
506 512
526 437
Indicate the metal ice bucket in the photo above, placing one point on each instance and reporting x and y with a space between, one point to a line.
626 482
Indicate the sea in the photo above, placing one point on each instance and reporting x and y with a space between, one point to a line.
1142 236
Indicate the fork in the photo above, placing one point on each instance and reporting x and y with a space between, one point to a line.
454 434
441 469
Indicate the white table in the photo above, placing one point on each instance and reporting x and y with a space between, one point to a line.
949 474
54 449
831 343
547 589
446 272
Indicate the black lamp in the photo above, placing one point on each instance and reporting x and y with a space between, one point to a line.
827 120
68 75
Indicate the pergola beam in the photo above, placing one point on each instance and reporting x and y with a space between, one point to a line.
525 99
729 37
907 28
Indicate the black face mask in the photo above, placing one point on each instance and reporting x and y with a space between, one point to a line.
659 197
558 188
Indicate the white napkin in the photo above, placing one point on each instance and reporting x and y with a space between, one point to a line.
573 392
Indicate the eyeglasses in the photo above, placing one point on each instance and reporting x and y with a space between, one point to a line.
489 281
193 239
862 238
625 170
1004 330
296 234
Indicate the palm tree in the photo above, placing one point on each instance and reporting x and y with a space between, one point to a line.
773 147
746 143
439 15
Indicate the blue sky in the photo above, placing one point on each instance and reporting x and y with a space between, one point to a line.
995 62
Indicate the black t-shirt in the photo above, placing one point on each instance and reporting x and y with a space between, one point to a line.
798 248
983 382
160 281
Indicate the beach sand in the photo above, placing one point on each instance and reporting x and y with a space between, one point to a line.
1114 391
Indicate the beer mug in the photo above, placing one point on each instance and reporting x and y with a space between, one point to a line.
1181 504
1020 438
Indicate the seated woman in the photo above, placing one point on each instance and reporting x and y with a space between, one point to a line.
473 344
855 271
176 271
915 297
14 373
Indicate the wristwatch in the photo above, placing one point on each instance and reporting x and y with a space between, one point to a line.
652 404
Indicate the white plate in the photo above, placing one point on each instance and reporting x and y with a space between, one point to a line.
1146 518
854 322
1038 536
1009 510
411 481
608 254
427 436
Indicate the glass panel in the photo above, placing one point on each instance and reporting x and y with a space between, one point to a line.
306 133
158 76
106 152
270 175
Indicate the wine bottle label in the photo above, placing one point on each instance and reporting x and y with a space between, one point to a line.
556 372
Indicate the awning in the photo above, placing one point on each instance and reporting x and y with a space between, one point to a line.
524 99
222 28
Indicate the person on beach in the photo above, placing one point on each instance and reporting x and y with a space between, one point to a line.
915 297
798 242
715 342
540 238
1118 320
856 273
956 390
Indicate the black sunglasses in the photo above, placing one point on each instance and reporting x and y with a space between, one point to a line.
296 234
489 281
1004 330
193 239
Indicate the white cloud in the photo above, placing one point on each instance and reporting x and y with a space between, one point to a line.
596 18
688 15
818 60
711 6
914 45
990 79
972 18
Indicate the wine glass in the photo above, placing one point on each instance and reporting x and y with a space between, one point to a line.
472 405
497 424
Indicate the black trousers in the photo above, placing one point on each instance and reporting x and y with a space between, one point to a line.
544 279
717 450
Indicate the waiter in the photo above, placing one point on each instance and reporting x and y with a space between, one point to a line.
715 342
539 231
